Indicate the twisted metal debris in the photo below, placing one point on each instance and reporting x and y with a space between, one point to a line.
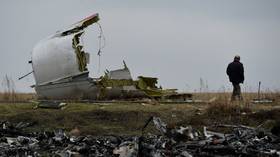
177 141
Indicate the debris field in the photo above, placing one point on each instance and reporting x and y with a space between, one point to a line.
177 141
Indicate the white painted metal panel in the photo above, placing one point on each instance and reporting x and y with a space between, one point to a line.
120 74
54 58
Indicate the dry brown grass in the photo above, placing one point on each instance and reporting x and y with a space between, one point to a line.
128 118
16 97
245 112
224 97
10 94
96 119
232 109
222 105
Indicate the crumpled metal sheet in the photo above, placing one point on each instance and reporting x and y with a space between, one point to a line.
50 105
127 149
179 141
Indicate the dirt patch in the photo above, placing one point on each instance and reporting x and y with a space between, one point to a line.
113 116
94 122
266 115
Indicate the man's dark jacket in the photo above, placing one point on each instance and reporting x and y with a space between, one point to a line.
235 71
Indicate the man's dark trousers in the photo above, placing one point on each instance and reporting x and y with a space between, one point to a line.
236 94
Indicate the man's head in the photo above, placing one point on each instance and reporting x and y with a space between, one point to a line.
237 58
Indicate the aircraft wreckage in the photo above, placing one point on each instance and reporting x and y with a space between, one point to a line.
60 69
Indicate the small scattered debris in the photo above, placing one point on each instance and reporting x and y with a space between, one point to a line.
263 101
51 105
178 141
275 130
75 132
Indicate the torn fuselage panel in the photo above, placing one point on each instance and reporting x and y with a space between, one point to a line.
61 55
54 58
56 62
80 53
58 59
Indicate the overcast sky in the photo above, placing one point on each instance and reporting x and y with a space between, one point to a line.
178 41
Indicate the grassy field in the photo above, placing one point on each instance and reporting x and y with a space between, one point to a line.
16 97
95 118
129 118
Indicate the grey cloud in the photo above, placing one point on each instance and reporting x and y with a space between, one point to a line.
178 42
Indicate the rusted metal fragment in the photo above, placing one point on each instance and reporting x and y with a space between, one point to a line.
76 27
81 55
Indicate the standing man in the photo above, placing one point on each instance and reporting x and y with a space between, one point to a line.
235 71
